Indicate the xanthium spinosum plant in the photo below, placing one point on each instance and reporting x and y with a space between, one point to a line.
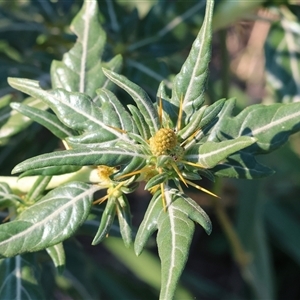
170 145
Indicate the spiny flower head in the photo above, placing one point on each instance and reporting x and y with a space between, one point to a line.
163 142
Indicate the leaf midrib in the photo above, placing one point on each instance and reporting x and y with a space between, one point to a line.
49 217
268 126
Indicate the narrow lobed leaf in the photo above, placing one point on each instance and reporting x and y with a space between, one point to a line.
212 112
114 113
193 125
107 219
124 217
189 83
149 223
139 122
81 67
140 97
175 230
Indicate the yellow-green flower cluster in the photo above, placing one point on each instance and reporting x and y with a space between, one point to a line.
163 142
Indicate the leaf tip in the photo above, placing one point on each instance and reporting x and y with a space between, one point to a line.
106 71
138 249
12 81
15 105
208 229
96 241
16 170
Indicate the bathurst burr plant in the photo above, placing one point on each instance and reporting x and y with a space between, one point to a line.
170 143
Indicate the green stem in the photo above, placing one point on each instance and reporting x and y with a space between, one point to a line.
23 185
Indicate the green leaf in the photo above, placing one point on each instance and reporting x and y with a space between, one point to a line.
49 221
49 171
18 279
209 154
124 217
75 110
114 112
175 231
81 157
119 206
193 125
140 97
107 220
57 254
189 83
14 122
271 125
81 68
37 189
136 163
155 180
211 115
211 112
5 100
170 111
48 120
139 122
242 165
94 139
7 198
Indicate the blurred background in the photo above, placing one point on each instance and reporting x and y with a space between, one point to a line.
256 59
